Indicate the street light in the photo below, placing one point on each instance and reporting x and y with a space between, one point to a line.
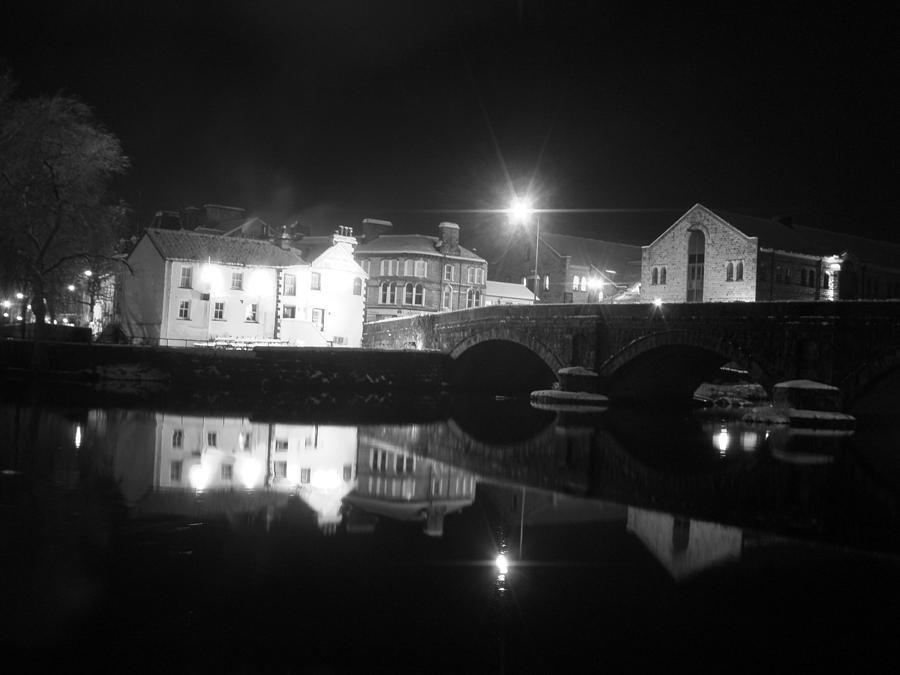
520 211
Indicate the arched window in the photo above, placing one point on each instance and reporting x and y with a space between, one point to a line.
662 274
696 265
825 278
575 283
470 297
477 298
447 301
547 283
388 295
654 276
803 276
357 286
408 294
583 283
811 279
729 271
739 271
418 295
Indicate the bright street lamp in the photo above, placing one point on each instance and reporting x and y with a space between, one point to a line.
520 211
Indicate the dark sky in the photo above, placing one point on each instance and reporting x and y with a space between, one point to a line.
427 110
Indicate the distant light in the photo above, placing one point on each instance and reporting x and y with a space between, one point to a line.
19 296
55 322
28 307
721 440
749 440
88 273
249 471
502 564
19 317
6 303
325 479
657 302
5 315
71 287
65 320
77 436
595 283
520 209
199 477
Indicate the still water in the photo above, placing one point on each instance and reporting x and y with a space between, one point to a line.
149 538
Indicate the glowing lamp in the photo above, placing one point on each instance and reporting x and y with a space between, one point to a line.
88 273
325 479
259 284
71 287
199 477
721 440
657 302
502 564
249 471
19 296
520 209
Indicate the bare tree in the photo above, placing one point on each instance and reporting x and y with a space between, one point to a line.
56 164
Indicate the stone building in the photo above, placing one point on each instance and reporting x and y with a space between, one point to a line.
726 257
415 273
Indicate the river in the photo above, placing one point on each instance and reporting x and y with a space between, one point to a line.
464 535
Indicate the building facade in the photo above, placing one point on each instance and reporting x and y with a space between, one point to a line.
723 257
415 273
506 293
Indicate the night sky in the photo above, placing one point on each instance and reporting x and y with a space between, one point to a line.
422 111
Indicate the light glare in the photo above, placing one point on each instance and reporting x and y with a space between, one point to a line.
502 564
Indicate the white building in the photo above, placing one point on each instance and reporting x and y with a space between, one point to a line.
507 293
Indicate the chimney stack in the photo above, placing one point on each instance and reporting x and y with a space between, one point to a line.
374 228
449 243
285 240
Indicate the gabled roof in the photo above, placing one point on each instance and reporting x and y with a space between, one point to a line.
410 243
187 245
624 259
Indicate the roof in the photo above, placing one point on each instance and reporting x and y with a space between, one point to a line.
410 243
505 289
187 245
312 247
624 259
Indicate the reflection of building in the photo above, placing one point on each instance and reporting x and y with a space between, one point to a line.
400 485
415 273
710 257
685 546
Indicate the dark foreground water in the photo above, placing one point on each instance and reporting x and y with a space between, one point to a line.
291 538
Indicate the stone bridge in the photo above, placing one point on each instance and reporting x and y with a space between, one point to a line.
646 351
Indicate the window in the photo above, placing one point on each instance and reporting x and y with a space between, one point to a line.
244 441
739 271
473 298
357 286
547 282
654 276
226 471
318 318
408 294
289 312
290 284
316 281
211 439
252 309
304 476
825 278
576 281
787 275
281 445
448 272
178 438
470 275
219 311
348 472
811 279
388 294
187 274
662 275
421 268
237 281
729 271
407 268
479 276
366 264
583 283
280 469
779 274
419 295
184 309
803 277
175 472
447 299
390 268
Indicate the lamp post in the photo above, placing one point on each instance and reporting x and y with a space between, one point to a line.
520 210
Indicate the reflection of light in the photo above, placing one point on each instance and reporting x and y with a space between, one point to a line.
325 479
259 283
198 476
65 320
77 436
19 296
657 302
595 283
5 315
249 471
721 439
88 273
19 317
502 565
749 440
211 276
71 287
520 210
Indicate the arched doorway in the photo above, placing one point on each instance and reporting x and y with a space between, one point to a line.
696 257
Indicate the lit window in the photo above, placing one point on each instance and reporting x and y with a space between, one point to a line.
219 311
211 439
304 475
175 472
280 469
421 269
281 445
226 471
547 283
575 282
316 281
357 286
318 318
583 283
290 284
178 438
187 274
184 309
289 312
252 309
237 281
448 272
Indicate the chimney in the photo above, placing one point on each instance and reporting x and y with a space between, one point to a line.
374 228
285 240
449 243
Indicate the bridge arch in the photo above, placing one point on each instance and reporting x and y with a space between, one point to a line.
688 350
530 364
